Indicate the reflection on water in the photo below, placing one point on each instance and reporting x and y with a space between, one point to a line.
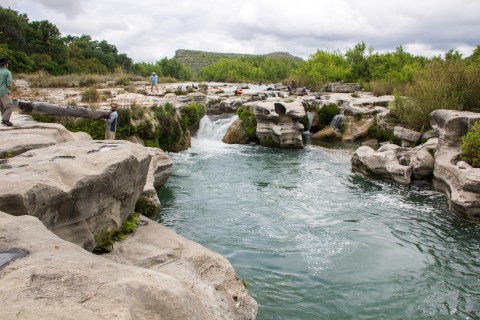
315 241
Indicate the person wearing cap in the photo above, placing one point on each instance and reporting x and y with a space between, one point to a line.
111 123
6 101
153 82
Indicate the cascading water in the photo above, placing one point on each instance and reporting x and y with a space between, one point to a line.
310 116
337 122
214 128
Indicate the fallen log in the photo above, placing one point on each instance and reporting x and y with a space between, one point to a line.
52 109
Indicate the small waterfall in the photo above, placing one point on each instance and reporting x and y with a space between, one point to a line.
337 122
214 128
310 116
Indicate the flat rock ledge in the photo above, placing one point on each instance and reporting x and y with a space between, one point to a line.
155 274
77 188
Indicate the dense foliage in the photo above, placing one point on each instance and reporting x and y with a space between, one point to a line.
327 113
248 122
449 84
39 46
256 69
471 146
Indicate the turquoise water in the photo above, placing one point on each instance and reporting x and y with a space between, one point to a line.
315 241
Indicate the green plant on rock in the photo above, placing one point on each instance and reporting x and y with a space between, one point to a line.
105 239
248 121
327 113
145 208
471 146
190 116
268 142
95 128
382 135
170 131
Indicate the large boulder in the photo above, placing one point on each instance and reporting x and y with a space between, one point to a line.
204 273
78 188
407 136
28 134
383 163
236 134
278 123
160 276
459 181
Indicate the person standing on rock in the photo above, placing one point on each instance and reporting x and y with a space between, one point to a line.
111 123
6 100
153 82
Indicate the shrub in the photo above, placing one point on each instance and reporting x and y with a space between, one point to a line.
190 116
248 122
169 129
471 146
95 128
327 113
90 95
122 81
451 85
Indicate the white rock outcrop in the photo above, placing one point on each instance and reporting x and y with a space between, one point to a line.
278 123
78 188
459 181
28 134
165 277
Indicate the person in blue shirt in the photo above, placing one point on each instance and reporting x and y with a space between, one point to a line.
6 99
111 123
153 82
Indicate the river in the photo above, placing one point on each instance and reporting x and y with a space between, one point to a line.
313 240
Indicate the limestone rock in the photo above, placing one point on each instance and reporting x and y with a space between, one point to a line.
342 87
407 136
235 134
59 280
460 183
278 123
207 275
76 188
229 105
159 171
28 134
383 163
356 129
328 133
422 161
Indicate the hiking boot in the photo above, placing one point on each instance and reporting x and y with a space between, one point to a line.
7 123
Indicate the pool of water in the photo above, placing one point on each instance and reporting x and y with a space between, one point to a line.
315 241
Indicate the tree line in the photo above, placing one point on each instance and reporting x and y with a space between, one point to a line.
39 46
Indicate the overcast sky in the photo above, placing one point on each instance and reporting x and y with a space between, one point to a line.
148 30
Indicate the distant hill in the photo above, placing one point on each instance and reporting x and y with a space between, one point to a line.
197 60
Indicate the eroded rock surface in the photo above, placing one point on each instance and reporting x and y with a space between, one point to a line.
278 123
165 277
75 188
28 134
459 181
205 274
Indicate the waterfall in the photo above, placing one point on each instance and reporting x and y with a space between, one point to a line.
337 122
214 128
310 116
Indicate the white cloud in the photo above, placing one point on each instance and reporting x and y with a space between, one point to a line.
149 30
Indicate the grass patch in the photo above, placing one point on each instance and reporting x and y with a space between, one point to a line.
105 239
